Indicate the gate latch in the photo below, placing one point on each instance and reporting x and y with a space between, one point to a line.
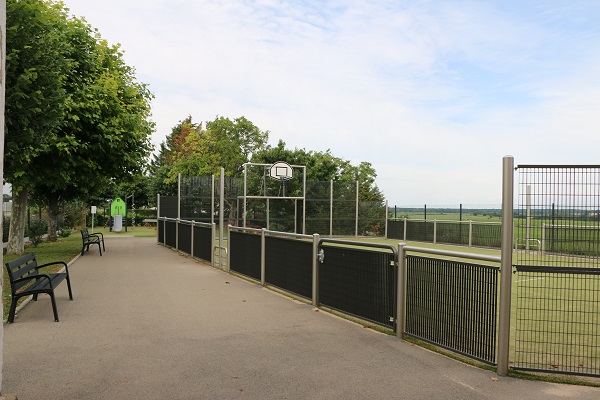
321 256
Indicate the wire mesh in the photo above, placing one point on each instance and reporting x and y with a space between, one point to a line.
556 321
558 219
557 269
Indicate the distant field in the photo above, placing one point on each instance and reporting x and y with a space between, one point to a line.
451 215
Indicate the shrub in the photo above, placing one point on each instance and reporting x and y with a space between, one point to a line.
36 231
65 231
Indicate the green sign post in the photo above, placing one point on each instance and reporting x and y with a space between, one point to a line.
118 212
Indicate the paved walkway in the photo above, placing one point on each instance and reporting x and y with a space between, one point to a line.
147 323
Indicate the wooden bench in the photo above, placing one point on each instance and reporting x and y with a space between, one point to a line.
91 238
26 279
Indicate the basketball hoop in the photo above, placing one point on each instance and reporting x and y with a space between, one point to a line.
281 171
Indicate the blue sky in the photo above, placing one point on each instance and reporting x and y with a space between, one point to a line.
432 93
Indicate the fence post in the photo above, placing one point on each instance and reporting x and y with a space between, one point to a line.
470 233
192 240
222 215
401 292
157 218
386 219
227 253
505 265
434 231
356 216
263 257
177 233
212 247
405 223
331 208
315 270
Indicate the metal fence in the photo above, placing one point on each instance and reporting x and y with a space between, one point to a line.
453 305
466 233
556 320
557 270
359 280
332 208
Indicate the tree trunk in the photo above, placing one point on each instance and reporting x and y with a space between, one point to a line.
52 218
16 232
84 214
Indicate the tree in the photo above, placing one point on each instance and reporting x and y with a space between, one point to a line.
224 144
160 167
107 136
36 99
102 130
192 150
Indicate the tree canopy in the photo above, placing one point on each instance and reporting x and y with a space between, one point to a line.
193 150
76 116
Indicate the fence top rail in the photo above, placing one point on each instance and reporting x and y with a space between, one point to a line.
557 166
232 228
288 234
187 222
270 233
393 249
272 197
446 221
449 253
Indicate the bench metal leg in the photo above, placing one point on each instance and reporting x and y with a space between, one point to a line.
69 286
13 309
54 306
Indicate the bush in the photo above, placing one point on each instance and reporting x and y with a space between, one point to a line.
36 231
65 231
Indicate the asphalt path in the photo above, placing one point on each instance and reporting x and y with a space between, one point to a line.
148 323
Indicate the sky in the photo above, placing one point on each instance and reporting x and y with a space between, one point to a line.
432 93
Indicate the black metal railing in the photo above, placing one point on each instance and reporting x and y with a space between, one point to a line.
453 305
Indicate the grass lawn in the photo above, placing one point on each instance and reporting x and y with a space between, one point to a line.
64 249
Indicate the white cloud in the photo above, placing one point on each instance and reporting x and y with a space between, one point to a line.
433 94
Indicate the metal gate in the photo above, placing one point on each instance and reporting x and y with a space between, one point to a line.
359 279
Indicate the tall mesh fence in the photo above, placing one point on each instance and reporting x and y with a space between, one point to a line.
331 207
557 274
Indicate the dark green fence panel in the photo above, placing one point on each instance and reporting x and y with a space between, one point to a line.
359 282
487 235
171 233
452 232
395 229
160 227
168 206
245 253
453 305
288 265
184 242
203 242
419 231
